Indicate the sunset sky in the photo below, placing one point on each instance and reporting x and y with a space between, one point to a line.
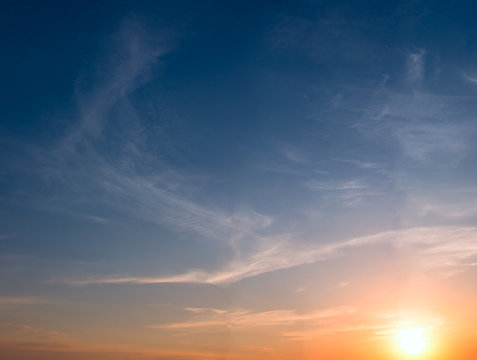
240 180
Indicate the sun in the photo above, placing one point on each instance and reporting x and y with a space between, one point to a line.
412 340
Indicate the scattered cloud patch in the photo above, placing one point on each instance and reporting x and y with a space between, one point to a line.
415 70
426 128
429 142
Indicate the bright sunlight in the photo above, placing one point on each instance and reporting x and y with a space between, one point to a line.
412 340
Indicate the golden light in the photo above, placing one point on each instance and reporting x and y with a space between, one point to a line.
412 340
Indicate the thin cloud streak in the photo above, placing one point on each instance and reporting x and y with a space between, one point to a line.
350 193
134 56
470 78
441 248
244 318
372 326
23 300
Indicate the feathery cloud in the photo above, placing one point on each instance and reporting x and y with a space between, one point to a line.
445 249
415 71
241 318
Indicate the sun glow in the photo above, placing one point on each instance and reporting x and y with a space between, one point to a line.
412 340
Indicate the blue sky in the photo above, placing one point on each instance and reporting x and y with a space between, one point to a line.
223 155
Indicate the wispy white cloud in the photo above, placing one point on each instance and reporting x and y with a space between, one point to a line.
426 141
443 249
23 300
277 255
470 78
350 193
167 196
415 71
454 209
153 201
372 326
240 318
428 128
385 325
342 186
134 53
361 164
293 154
343 284
371 166
288 159
85 164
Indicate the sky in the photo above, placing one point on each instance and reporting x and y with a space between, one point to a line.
237 179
